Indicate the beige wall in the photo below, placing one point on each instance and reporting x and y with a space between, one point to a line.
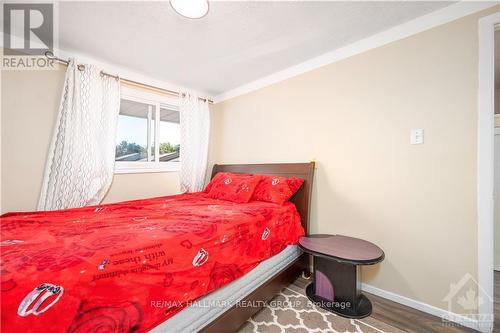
497 100
142 185
418 202
28 109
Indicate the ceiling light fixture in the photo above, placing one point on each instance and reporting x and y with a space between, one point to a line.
193 9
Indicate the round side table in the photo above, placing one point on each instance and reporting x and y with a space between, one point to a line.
337 262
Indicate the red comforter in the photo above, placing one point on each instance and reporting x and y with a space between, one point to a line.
129 266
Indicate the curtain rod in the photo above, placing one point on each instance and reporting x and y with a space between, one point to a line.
51 56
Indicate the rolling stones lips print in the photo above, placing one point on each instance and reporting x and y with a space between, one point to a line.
103 265
47 294
265 234
200 258
101 274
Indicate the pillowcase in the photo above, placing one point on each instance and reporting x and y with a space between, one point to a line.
213 181
235 187
277 189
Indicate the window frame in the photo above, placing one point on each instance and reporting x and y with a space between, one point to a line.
157 101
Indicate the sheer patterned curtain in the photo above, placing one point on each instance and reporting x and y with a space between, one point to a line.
195 130
80 162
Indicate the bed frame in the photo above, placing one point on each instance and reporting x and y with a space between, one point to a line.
236 316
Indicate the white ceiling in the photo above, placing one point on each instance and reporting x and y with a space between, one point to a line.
236 43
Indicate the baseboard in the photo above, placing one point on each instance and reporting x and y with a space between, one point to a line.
424 307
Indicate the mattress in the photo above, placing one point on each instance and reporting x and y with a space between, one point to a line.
209 307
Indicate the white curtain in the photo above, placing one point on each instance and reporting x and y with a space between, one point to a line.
195 130
80 162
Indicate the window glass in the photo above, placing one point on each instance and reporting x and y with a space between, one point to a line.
135 132
169 135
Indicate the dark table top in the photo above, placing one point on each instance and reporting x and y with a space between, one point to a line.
342 248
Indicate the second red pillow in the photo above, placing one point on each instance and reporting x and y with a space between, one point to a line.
276 189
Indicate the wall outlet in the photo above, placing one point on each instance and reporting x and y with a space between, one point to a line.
417 136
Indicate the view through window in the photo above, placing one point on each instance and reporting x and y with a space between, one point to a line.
138 133
170 135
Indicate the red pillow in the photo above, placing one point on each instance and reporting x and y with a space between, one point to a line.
277 189
294 183
214 180
235 187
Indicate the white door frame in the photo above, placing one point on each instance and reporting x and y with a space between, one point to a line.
496 193
485 164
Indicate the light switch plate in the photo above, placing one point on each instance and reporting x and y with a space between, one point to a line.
417 136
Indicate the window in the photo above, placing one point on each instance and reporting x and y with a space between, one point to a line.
148 134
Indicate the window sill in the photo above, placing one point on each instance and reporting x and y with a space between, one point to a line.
148 168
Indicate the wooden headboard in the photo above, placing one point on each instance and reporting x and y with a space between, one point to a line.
301 199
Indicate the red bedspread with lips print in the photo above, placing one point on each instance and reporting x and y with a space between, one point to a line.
129 266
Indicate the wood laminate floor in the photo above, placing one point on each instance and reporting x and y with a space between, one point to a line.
414 321
411 320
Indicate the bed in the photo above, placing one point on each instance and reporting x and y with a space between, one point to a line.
69 270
